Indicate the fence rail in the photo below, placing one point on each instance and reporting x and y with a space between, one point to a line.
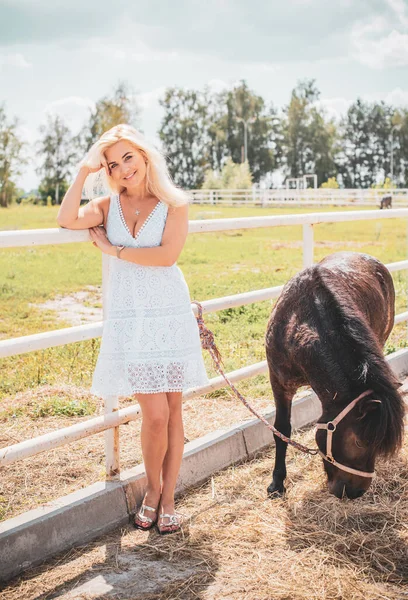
299 197
114 417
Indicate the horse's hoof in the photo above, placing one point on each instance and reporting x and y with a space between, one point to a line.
276 491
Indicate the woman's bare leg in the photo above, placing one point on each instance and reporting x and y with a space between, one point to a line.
174 454
154 439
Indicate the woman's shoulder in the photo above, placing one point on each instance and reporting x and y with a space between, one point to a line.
175 206
103 203
181 209
177 214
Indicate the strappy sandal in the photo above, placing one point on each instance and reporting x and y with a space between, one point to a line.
172 526
142 521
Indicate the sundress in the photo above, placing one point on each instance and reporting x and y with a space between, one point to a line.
150 342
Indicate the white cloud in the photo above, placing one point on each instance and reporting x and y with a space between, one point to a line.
218 85
267 67
377 45
154 56
335 108
396 97
28 134
137 51
14 60
399 7
146 99
74 110
71 101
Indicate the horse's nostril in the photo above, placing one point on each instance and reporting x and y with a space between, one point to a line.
336 488
342 490
353 493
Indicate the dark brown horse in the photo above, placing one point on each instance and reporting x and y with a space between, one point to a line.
327 330
386 202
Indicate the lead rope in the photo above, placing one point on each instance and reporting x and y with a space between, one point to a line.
208 343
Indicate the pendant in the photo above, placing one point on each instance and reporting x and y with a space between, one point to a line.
137 212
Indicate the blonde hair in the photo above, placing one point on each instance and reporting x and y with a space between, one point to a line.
158 179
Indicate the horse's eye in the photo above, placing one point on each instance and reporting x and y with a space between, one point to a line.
359 444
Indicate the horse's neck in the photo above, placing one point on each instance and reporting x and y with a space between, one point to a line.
335 394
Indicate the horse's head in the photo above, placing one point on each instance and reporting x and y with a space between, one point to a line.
351 451
366 428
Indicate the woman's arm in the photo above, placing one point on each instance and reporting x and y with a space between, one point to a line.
165 255
73 216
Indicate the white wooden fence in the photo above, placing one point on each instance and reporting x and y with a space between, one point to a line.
114 417
305 197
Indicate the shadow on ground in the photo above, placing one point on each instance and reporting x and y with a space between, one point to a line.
124 565
365 536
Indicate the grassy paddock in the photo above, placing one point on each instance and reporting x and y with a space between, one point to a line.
214 264
42 391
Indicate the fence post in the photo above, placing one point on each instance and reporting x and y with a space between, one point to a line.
263 198
307 245
111 403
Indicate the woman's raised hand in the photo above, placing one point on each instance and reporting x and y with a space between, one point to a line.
95 169
92 163
91 168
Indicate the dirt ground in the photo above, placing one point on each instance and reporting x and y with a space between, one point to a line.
78 308
237 544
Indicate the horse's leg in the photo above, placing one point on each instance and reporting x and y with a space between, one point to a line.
283 403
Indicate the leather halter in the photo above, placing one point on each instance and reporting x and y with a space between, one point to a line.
331 427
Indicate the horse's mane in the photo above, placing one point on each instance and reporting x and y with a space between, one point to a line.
382 428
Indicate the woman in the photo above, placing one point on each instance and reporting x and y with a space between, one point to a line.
150 345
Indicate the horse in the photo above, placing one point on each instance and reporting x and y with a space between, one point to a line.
386 202
327 330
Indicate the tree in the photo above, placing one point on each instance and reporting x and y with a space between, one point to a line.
262 130
365 143
387 184
184 135
233 177
11 157
330 184
217 150
309 140
58 154
120 107
324 147
200 130
400 145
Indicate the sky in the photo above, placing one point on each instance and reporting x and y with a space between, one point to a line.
60 57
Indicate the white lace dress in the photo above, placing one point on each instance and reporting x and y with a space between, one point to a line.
150 340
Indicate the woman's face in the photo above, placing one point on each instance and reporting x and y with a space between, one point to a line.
126 165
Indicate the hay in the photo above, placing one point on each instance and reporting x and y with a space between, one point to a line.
239 545
34 481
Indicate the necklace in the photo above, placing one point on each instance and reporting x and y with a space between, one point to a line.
137 211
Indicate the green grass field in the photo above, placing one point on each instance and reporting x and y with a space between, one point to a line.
214 265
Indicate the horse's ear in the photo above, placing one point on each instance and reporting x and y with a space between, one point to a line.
369 406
